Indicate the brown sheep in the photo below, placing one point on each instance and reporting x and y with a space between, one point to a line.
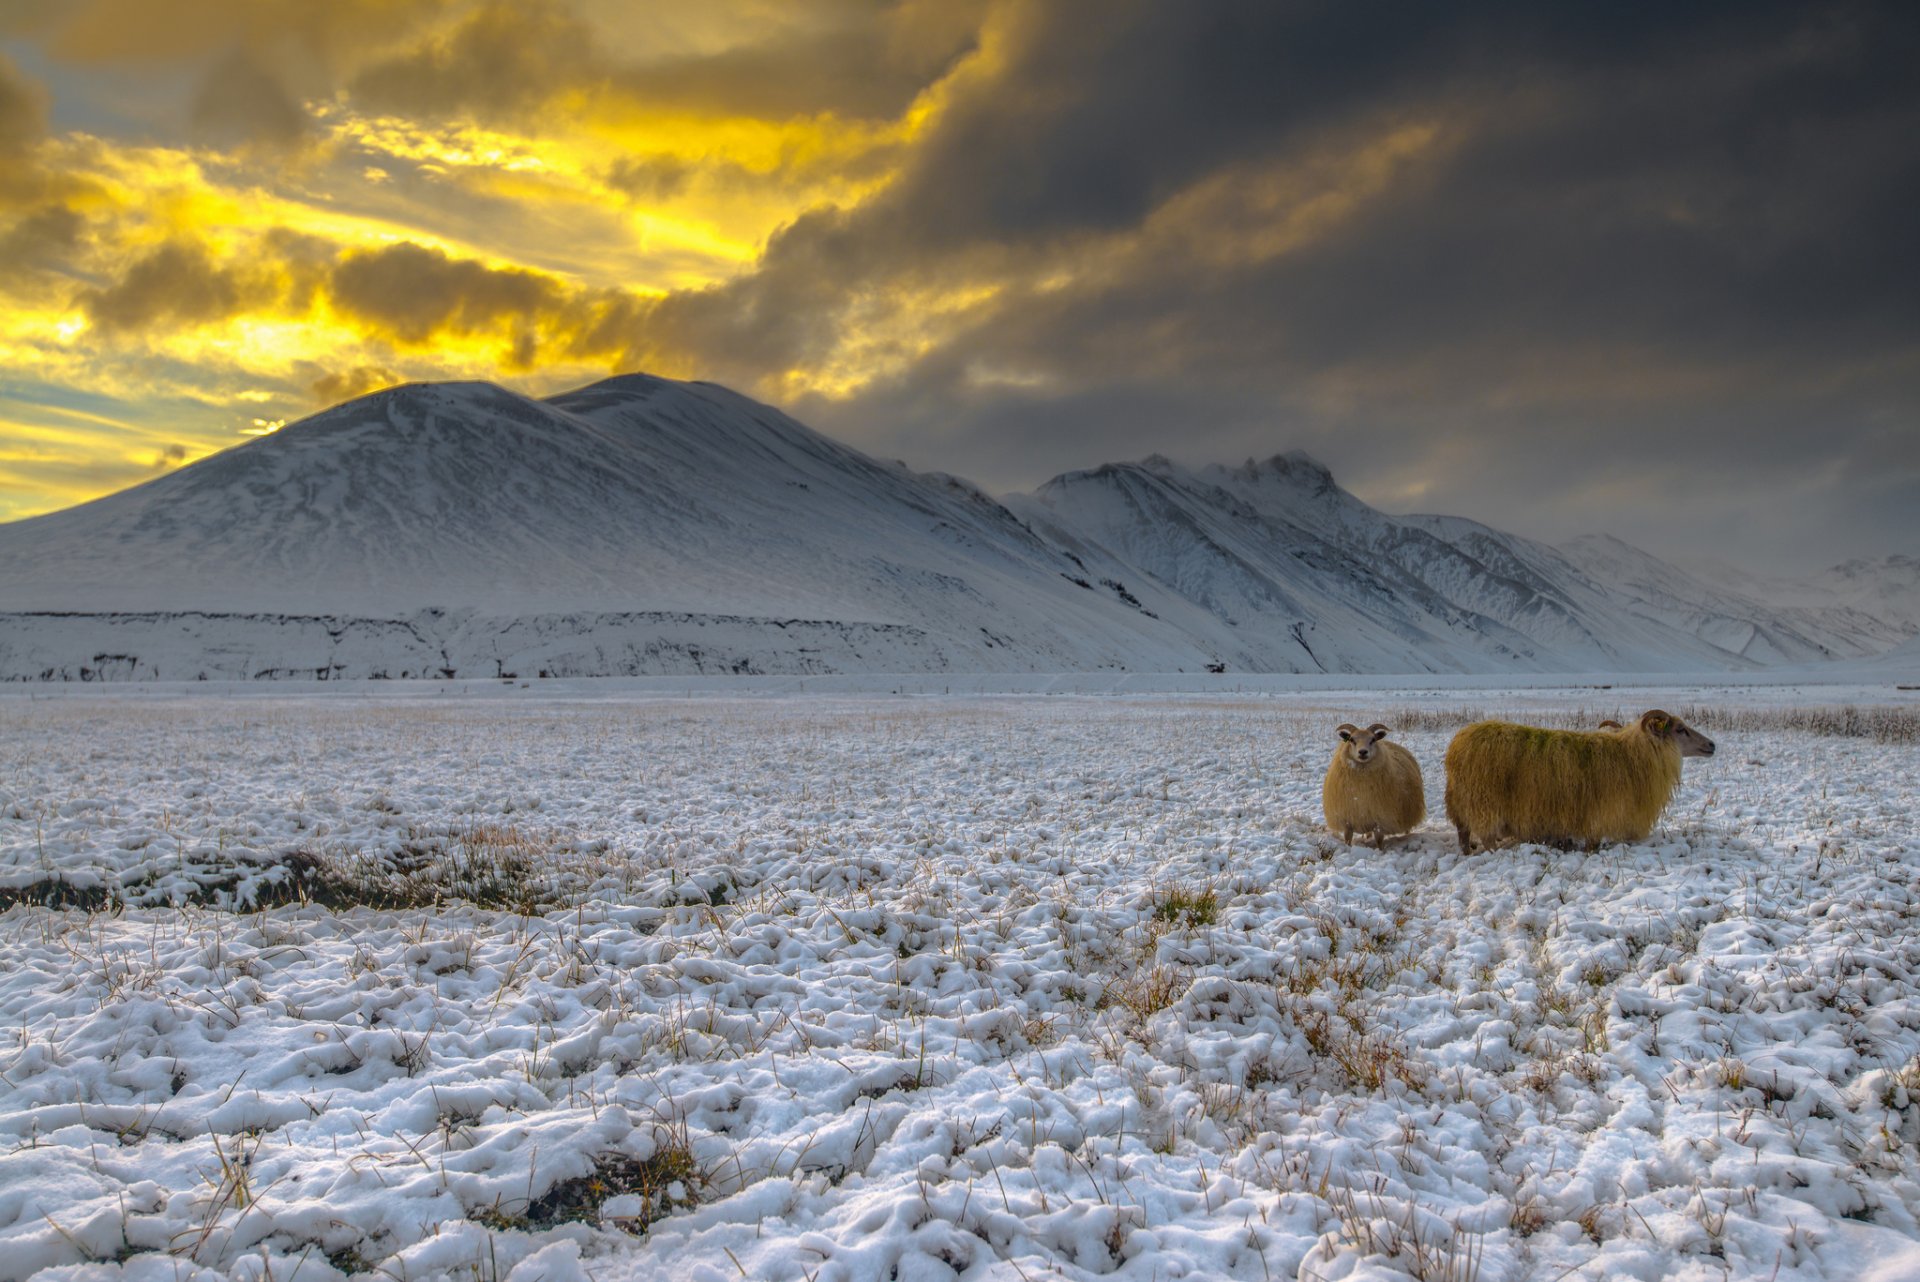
1565 787
1372 787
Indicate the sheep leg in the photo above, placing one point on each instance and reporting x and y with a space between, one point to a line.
1347 836
1466 838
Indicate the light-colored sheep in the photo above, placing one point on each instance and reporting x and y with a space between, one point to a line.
1372 787
1564 788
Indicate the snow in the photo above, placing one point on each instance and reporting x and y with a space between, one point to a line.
465 527
926 986
1887 587
642 526
1737 621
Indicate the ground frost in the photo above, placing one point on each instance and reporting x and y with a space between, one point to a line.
846 988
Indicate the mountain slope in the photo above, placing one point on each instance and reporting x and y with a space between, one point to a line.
642 525
1281 552
637 495
1731 619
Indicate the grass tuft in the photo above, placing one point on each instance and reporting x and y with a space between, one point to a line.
1187 906
670 1179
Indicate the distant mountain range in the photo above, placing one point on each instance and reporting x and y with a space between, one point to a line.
642 525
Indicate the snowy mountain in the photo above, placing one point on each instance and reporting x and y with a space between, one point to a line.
642 525
638 525
1888 587
1736 620
1284 554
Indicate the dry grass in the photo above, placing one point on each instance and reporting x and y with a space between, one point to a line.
491 865
672 1178
1886 724
1379 1227
1882 725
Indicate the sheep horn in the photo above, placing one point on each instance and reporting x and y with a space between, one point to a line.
1346 730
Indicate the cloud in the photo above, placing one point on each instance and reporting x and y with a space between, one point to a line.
313 36
412 293
241 101
505 60
39 240
344 385
247 66
871 63
1464 255
23 116
23 123
1615 247
177 283
508 59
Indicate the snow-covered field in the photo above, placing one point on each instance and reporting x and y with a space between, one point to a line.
853 986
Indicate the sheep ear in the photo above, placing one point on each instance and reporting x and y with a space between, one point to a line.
1656 722
1377 730
1347 732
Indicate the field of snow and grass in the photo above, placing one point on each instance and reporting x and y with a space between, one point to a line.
535 984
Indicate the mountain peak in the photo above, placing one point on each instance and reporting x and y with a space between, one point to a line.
1295 468
1296 465
1597 540
631 386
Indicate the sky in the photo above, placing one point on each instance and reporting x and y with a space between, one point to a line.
1645 268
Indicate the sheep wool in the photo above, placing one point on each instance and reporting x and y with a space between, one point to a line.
1514 783
1372 787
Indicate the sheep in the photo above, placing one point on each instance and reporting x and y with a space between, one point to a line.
1565 787
1372 786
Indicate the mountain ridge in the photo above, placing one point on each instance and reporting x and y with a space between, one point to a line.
556 532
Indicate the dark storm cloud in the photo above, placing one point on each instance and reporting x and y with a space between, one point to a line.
1626 240
872 69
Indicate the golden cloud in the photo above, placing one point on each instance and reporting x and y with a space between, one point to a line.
241 101
335 386
319 32
543 209
413 294
181 284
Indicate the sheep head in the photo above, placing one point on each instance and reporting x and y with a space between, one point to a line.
1664 725
1360 744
